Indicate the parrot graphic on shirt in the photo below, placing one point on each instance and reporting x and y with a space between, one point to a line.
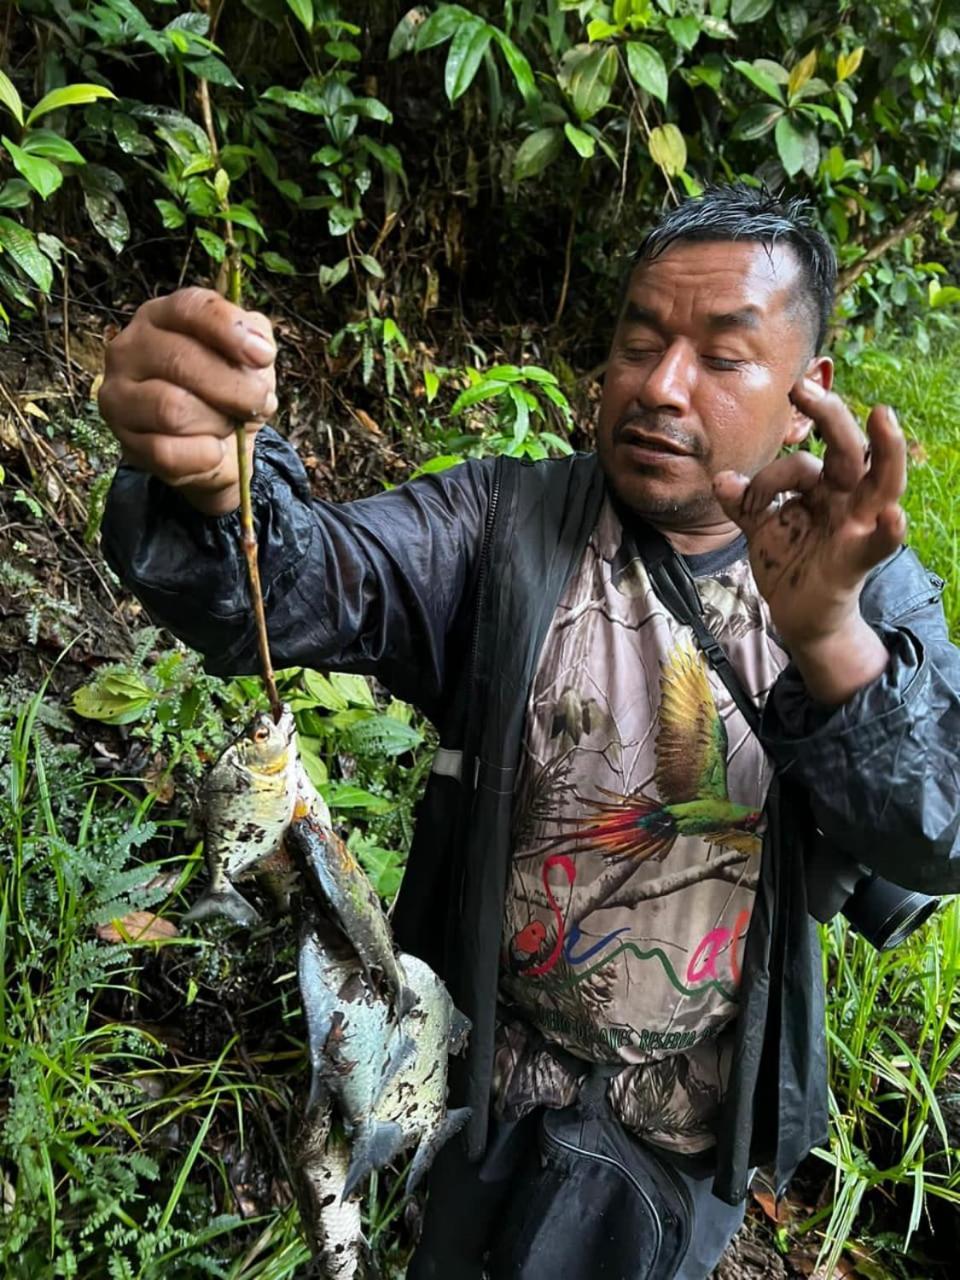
690 777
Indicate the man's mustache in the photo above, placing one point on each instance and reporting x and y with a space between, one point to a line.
661 426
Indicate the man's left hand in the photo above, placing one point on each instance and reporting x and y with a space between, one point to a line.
812 552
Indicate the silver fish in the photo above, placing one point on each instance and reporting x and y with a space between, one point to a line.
331 1219
334 877
247 802
412 1107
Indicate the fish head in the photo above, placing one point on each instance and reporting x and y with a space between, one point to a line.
267 746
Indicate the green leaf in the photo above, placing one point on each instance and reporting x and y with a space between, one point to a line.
221 185
588 73
212 243
762 79
172 216
668 149
274 262
368 108
43 175
303 11
10 98
117 697
581 142
536 152
685 31
467 48
743 11
327 277
71 95
440 26
386 155
371 266
382 735
355 689
342 50
22 247
243 217
485 389
109 218
519 66
443 462
647 68
797 148
344 795
44 142
296 100
383 866
15 194
600 29
431 385
756 121
213 69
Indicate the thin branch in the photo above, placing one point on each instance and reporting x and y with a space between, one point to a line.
233 286
726 866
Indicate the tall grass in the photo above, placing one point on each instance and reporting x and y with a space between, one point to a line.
893 1020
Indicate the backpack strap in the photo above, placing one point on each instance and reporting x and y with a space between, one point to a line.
674 584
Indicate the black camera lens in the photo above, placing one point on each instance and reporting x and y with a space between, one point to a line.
885 914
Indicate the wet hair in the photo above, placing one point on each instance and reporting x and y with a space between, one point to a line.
739 212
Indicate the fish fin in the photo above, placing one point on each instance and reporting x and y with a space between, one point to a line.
460 1028
375 1144
431 1143
224 900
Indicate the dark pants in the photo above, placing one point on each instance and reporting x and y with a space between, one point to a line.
466 1202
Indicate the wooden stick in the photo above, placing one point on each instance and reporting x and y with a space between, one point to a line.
248 536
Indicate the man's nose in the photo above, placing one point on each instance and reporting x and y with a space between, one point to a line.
669 383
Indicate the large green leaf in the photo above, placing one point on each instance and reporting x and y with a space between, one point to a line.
302 9
519 66
647 68
43 175
743 11
381 735
761 78
22 247
10 98
118 697
71 95
44 142
756 121
581 142
441 26
587 74
536 152
467 48
798 148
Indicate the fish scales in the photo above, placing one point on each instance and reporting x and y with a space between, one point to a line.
331 1219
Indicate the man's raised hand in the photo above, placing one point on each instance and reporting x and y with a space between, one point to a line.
178 378
811 552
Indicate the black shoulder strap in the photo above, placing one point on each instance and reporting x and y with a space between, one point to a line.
673 582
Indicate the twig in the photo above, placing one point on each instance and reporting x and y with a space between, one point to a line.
234 291
568 251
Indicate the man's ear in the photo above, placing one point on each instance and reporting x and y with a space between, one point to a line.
818 369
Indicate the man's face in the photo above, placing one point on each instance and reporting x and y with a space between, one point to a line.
706 349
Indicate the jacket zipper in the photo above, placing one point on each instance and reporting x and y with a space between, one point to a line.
481 588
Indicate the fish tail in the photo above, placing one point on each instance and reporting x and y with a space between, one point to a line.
224 900
453 1122
375 1145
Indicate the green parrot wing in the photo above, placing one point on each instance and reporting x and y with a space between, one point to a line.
691 745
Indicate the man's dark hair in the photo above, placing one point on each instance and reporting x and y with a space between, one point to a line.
739 212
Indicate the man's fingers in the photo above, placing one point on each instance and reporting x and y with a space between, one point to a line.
886 538
886 477
844 463
751 502
238 391
189 460
243 337
156 407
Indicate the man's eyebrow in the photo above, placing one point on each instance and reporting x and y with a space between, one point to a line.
633 313
745 318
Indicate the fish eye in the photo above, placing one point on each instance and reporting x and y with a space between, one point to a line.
261 734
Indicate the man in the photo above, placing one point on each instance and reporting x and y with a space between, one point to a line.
587 872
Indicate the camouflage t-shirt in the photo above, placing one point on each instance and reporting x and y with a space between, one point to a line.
637 826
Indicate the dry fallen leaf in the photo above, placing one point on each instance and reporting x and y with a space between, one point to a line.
138 926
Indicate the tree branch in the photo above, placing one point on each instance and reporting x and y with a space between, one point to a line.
726 866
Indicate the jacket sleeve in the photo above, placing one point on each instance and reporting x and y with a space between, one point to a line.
372 586
883 770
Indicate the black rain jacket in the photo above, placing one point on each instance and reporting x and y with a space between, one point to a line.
444 589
